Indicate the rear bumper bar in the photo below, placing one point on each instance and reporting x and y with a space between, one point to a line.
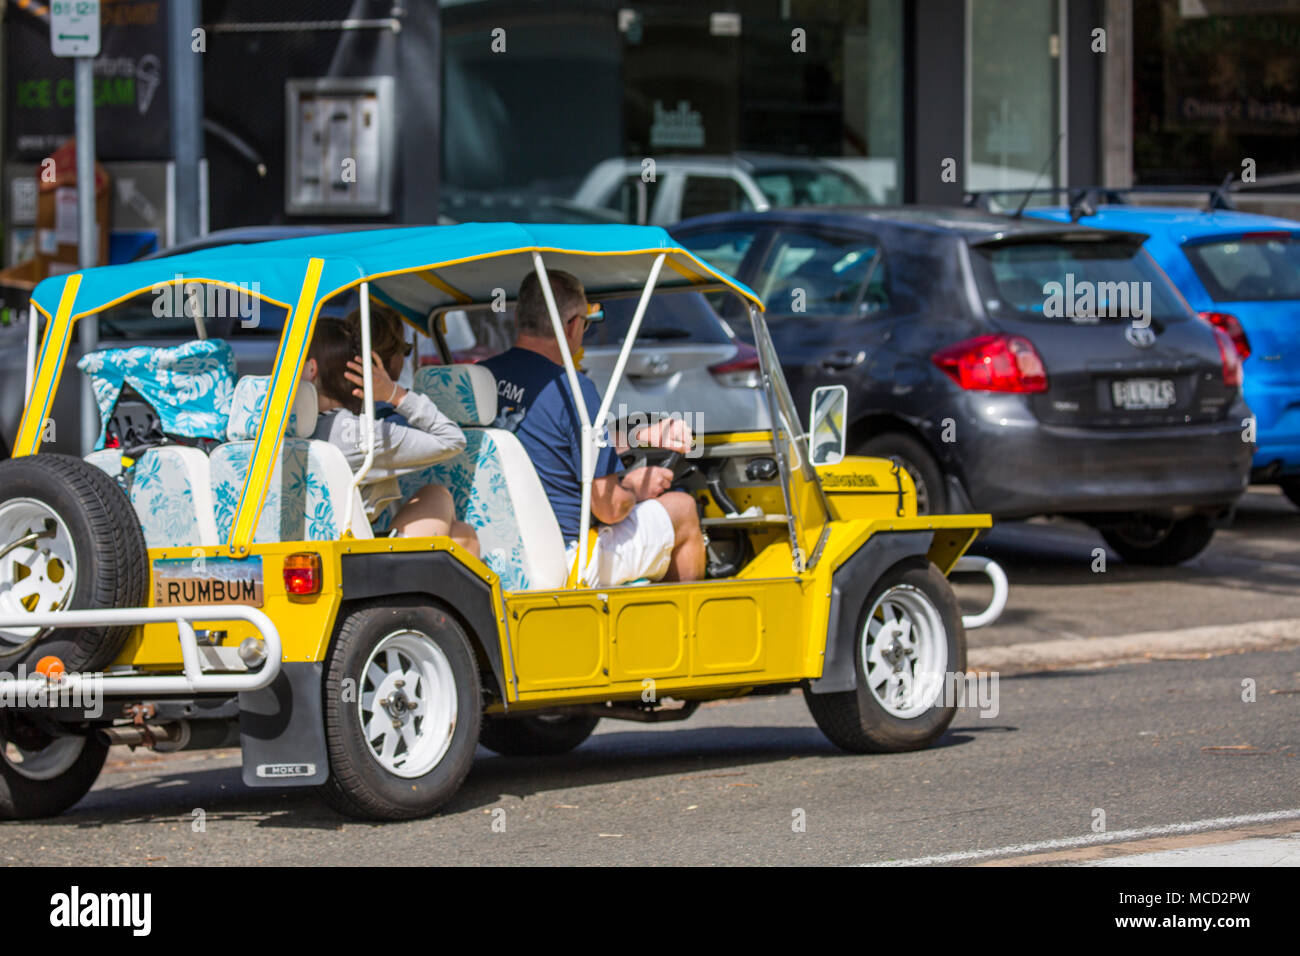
193 681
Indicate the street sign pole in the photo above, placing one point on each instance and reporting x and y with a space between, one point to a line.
88 234
74 32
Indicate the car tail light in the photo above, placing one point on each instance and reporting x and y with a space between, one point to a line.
1229 324
1230 356
742 370
302 573
994 363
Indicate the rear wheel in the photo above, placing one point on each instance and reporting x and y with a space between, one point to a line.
916 460
1291 488
909 638
42 775
402 711
1147 539
542 735
69 539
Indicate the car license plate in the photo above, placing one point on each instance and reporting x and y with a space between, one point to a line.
207 580
1140 393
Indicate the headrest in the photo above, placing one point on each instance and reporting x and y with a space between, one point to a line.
189 385
250 402
467 394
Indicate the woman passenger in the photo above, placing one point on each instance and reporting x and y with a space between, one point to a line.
334 367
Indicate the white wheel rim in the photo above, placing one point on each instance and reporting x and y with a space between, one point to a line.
407 705
47 763
38 576
905 651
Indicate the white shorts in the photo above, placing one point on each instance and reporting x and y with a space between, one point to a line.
639 546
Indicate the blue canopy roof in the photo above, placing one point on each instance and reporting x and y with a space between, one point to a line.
417 268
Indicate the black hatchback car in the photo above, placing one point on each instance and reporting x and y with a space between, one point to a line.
1013 366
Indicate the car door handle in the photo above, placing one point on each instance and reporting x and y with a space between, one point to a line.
841 360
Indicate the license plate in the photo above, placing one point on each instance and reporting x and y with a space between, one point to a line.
1139 393
204 580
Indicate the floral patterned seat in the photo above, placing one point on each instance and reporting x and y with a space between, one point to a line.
306 497
190 386
493 482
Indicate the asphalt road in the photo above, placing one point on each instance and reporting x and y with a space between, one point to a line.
1149 744
1250 572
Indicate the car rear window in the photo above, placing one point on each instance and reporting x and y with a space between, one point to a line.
473 335
1263 267
1073 281
678 317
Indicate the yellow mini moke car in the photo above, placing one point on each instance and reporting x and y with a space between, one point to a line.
209 577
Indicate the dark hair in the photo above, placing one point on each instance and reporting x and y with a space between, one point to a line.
531 316
387 335
334 345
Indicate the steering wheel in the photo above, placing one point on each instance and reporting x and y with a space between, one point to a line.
635 458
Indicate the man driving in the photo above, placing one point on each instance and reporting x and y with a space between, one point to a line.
645 530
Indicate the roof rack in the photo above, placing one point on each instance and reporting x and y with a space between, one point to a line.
1084 200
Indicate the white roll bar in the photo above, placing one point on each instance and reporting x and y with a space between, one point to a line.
31 352
194 680
592 438
998 577
368 411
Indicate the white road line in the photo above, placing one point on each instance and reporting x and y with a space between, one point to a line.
1094 839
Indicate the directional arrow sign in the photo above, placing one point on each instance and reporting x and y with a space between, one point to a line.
74 27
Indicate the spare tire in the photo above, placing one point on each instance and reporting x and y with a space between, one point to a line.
69 539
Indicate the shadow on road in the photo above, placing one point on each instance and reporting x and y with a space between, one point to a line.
619 756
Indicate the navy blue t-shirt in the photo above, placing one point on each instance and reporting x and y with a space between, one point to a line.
535 402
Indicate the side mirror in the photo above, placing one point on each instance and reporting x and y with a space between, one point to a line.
826 435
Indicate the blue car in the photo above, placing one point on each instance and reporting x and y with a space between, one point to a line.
1241 272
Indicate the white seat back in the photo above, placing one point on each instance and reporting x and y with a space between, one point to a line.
493 482
310 485
171 491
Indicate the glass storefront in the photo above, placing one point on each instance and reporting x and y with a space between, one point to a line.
1216 82
1013 93
817 81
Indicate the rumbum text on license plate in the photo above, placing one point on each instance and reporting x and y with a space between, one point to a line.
182 581
1136 393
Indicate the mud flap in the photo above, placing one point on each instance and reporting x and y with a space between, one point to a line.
282 730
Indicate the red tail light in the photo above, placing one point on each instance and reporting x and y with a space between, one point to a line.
741 370
994 363
1230 356
302 573
1229 324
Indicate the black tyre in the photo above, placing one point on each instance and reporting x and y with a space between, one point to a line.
84 550
40 775
1146 539
1291 488
402 710
931 493
543 735
902 675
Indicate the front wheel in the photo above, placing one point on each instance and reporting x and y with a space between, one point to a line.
1163 542
43 775
402 711
909 640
